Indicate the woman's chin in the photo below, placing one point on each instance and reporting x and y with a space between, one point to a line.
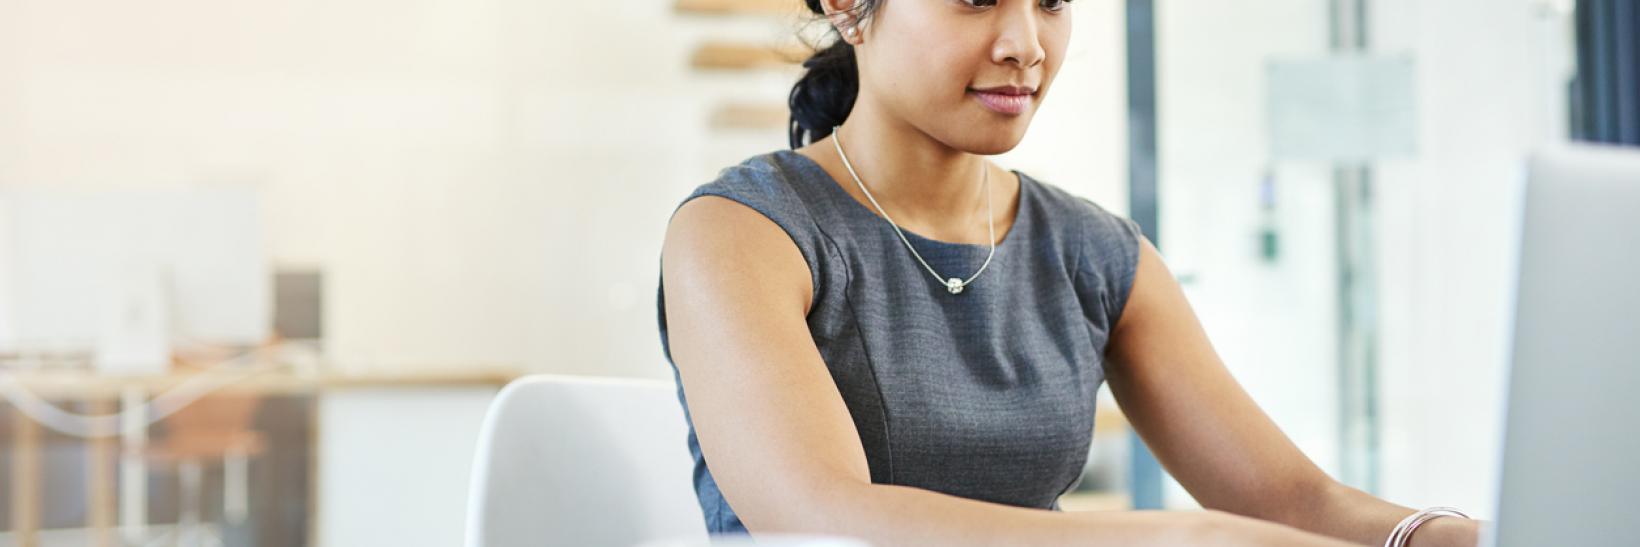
989 139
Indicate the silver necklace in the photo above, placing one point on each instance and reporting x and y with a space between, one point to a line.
955 285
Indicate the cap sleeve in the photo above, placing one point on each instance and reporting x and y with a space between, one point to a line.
762 187
1108 260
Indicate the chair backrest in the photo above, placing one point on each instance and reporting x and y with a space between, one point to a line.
565 460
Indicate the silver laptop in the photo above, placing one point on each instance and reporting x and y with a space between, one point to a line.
1571 450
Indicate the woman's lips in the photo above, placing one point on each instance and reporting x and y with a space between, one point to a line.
1003 103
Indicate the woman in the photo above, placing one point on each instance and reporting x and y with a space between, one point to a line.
858 355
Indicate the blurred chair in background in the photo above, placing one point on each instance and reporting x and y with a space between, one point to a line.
215 428
566 460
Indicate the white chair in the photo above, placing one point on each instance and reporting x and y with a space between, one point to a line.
566 460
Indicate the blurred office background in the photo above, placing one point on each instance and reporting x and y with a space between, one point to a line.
349 223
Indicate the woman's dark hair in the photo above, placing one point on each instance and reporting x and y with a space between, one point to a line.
825 94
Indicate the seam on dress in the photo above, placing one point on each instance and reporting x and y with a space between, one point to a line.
854 318
1085 239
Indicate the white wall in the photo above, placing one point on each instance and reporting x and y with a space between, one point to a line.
480 181
1490 87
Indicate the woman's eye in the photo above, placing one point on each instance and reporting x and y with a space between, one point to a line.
1055 5
1050 5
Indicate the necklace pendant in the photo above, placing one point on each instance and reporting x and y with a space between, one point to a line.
954 285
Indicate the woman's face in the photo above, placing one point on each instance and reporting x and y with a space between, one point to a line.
928 62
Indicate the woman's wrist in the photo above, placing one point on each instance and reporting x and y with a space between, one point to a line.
1447 532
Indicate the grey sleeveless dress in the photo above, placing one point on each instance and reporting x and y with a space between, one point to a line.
987 394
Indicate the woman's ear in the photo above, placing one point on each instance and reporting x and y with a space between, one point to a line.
844 16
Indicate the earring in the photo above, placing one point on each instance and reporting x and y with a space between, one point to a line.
850 32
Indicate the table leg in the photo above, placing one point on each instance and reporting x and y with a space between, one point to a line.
25 480
133 472
100 480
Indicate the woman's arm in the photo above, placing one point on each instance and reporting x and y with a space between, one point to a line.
780 441
1206 430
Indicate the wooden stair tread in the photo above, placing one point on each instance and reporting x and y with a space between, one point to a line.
741 7
720 55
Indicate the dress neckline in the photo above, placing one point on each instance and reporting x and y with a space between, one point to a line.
1022 215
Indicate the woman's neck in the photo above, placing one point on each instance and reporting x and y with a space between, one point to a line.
911 173
926 186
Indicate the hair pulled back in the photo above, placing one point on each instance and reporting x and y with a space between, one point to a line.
825 94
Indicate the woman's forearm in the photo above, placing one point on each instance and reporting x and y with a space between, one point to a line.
1357 516
887 516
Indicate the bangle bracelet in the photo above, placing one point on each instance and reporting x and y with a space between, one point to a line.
1403 531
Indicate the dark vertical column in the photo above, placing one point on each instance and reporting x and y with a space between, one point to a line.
1607 91
1626 69
1141 99
1146 479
